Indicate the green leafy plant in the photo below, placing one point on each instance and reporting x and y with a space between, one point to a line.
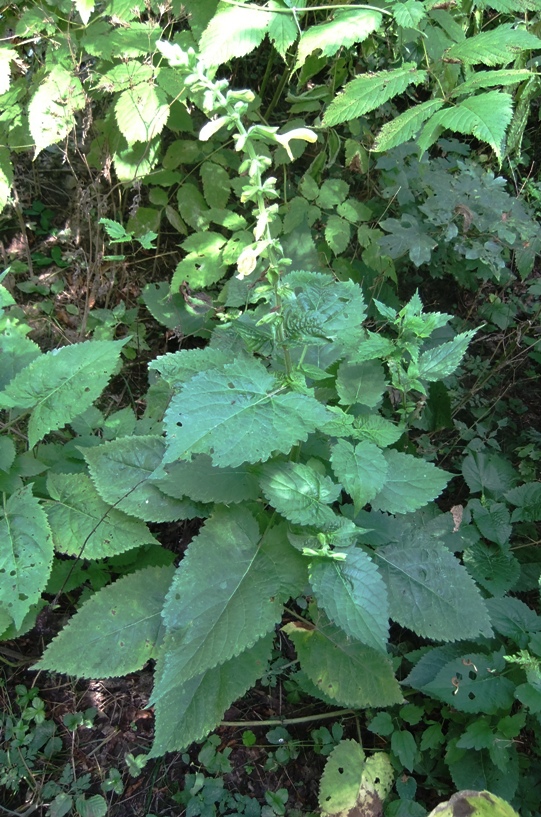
279 433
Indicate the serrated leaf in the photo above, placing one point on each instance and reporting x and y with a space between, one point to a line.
348 27
442 360
411 483
222 600
430 592
121 471
299 493
93 806
204 482
52 107
409 14
337 234
470 683
353 674
485 116
216 184
527 499
336 307
354 596
404 127
514 619
497 47
488 79
120 628
362 470
84 525
341 778
61 384
282 29
491 568
363 383
376 429
85 9
179 367
232 32
141 113
126 75
238 414
332 193
370 91
7 55
26 554
192 709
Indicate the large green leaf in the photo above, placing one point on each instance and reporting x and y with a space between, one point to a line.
430 592
354 596
410 484
222 600
61 384
406 125
232 32
51 109
349 26
485 116
191 709
473 682
351 673
319 309
488 79
6 176
497 47
369 91
16 353
116 631
363 383
238 414
121 471
474 804
84 525
442 360
362 470
341 778
204 482
300 493
282 29
26 553
141 113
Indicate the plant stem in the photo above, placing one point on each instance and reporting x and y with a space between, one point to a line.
286 721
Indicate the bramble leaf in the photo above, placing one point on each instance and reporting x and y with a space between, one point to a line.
370 91
120 626
348 27
405 126
141 113
232 32
51 109
496 47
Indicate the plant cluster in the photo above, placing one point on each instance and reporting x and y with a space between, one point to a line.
294 433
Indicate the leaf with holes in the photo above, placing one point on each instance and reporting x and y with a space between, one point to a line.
237 414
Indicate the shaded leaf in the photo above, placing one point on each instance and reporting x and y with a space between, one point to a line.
120 627
410 484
